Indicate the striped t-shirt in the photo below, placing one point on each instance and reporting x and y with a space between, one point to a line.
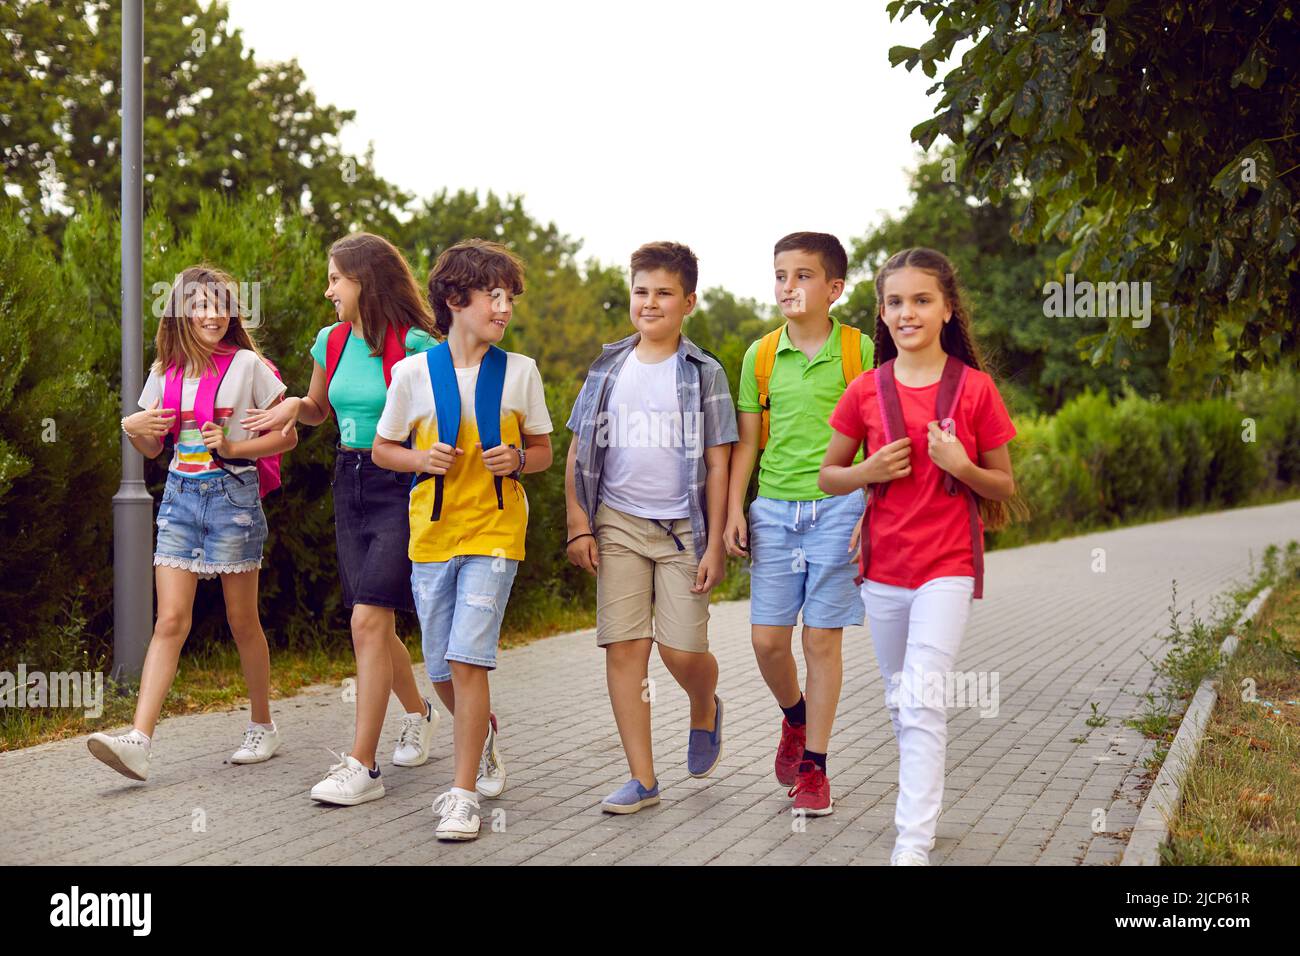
249 383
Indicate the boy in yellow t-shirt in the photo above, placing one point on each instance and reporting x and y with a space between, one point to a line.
469 518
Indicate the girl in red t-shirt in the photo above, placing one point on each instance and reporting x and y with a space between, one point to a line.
922 555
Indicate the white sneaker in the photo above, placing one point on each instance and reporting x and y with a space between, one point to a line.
491 769
127 753
413 743
348 783
259 744
458 817
909 858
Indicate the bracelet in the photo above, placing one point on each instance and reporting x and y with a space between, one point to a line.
585 534
127 433
520 470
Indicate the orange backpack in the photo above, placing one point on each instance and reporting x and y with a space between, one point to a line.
850 358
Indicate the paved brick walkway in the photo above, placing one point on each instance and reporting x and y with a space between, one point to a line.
1018 789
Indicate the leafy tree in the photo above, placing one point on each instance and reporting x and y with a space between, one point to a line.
1158 141
215 121
566 312
1036 357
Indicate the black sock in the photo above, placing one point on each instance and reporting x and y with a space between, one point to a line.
796 715
818 759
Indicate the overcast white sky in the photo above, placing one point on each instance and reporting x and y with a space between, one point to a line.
724 125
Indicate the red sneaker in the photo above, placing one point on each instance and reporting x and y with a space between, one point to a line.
789 752
811 791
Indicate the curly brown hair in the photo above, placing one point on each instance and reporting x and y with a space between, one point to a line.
469 265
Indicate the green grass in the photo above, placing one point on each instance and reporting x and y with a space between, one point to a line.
1241 798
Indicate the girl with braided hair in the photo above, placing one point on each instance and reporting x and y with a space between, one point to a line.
936 433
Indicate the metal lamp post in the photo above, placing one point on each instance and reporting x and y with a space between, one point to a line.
132 505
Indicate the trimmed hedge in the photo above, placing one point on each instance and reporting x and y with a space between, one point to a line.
1099 463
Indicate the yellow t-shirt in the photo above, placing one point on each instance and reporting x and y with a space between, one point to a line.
471 522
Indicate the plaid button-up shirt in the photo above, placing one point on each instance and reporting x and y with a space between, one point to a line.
702 397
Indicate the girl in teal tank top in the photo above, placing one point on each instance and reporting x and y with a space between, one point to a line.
372 289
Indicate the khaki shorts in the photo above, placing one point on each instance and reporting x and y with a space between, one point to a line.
643 577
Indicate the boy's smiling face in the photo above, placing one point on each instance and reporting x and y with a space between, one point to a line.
487 314
802 287
659 305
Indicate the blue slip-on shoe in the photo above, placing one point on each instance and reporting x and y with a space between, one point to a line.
704 749
631 797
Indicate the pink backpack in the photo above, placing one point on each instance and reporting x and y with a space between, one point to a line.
268 467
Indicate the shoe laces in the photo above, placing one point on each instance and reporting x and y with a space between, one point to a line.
341 771
410 736
810 779
253 738
453 807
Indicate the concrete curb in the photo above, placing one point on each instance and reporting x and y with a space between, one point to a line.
1152 827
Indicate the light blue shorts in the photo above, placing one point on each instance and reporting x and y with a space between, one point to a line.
800 559
210 526
460 604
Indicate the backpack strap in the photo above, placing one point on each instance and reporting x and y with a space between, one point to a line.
764 362
205 400
850 352
891 410
394 350
334 346
446 401
173 386
951 383
487 406
950 386
891 418
205 407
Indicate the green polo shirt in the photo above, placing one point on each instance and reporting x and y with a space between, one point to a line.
803 394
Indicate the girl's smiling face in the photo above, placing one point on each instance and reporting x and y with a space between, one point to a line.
344 294
208 317
914 309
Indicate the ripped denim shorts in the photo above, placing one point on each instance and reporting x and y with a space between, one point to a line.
460 604
211 526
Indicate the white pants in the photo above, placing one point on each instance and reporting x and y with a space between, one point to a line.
916 633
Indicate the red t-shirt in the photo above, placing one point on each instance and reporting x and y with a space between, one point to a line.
918 531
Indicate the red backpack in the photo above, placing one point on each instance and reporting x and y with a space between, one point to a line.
891 416
268 467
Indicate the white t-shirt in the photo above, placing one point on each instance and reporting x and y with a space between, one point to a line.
249 383
475 524
642 425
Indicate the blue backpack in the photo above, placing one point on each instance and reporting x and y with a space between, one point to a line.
446 399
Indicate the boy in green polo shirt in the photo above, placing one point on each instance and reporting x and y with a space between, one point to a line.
802 542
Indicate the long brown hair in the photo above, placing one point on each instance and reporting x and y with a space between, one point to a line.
175 342
389 293
956 340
